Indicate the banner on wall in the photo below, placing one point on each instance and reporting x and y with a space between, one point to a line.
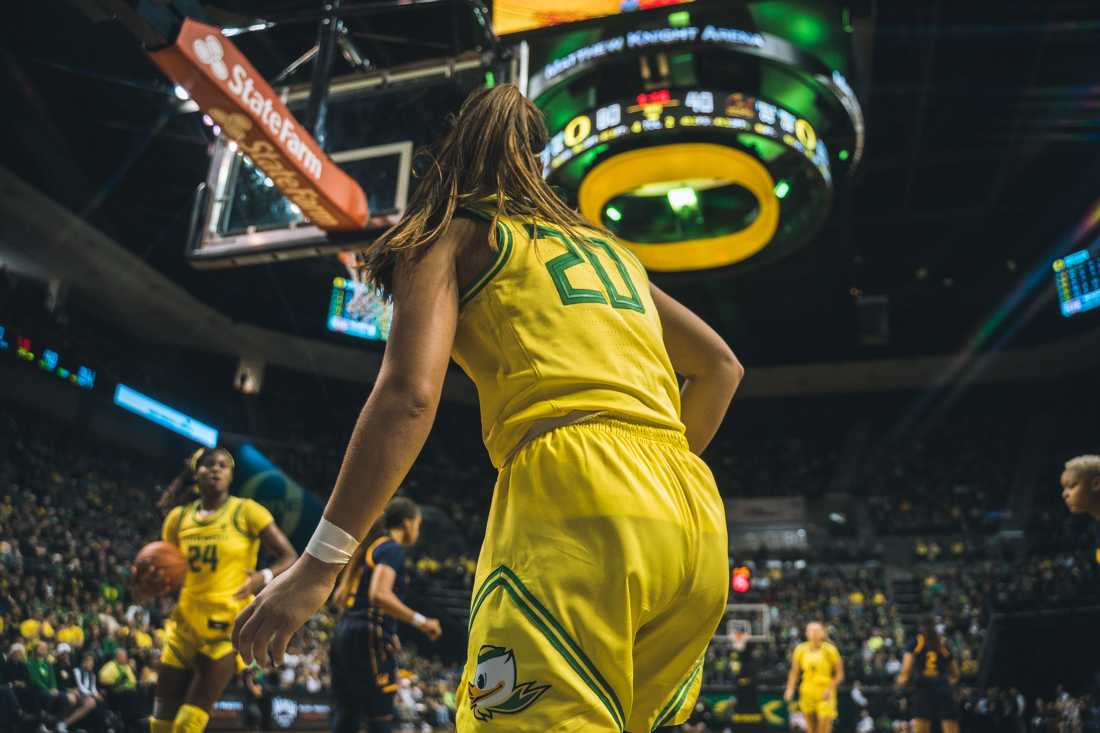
288 712
227 87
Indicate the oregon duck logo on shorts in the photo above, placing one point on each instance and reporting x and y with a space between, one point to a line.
494 688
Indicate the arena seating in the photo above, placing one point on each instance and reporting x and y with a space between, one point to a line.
63 579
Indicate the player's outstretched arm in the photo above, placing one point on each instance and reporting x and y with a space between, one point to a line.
382 596
389 434
838 677
906 669
711 371
792 679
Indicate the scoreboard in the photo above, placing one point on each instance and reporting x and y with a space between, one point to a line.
359 310
1077 277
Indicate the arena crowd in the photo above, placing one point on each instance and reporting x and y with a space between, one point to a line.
79 654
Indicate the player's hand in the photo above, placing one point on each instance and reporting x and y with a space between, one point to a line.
394 643
250 587
828 693
263 629
431 628
788 695
147 581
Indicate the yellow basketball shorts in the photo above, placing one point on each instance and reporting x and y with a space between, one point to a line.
810 702
183 642
602 579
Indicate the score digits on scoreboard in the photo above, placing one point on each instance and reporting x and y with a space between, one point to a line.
1077 277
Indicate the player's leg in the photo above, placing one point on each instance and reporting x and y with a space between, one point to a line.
380 711
173 680
83 706
921 725
949 711
345 658
688 553
207 684
827 713
557 592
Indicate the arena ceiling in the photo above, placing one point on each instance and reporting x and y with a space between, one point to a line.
982 160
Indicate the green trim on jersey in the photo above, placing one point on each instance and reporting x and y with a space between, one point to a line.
504 252
213 517
554 633
669 711
236 521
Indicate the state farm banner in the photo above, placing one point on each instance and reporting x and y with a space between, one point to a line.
228 88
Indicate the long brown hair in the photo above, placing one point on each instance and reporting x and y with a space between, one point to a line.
490 157
932 638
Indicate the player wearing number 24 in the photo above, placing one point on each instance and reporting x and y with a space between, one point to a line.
219 536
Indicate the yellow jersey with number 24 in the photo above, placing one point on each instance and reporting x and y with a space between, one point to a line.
555 327
221 550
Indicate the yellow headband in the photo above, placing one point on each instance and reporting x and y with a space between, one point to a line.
194 462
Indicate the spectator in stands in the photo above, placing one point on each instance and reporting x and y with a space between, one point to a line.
78 705
88 689
43 681
118 678
13 686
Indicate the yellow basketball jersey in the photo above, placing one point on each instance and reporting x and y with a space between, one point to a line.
554 327
817 665
220 550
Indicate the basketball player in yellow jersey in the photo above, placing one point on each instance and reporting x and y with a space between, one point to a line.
220 536
604 570
822 670
1081 490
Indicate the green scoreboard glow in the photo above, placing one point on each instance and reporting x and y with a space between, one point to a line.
703 146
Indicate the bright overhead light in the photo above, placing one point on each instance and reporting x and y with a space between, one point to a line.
181 93
613 214
262 25
682 198
782 188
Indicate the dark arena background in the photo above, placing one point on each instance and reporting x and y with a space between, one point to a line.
890 210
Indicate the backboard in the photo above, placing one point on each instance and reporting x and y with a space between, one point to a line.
243 218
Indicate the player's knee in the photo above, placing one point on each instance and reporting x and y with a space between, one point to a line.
164 710
158 724
190 719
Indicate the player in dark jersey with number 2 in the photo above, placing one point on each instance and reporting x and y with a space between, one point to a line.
935 672
372 588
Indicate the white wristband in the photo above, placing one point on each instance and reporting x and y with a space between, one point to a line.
268 575
419 619
330 544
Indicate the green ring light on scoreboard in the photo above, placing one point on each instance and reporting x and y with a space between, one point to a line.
633 171
704 192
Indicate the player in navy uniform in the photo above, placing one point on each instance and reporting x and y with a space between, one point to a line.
372 588
1081 490
935 672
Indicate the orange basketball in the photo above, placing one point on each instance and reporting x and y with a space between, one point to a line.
165 557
